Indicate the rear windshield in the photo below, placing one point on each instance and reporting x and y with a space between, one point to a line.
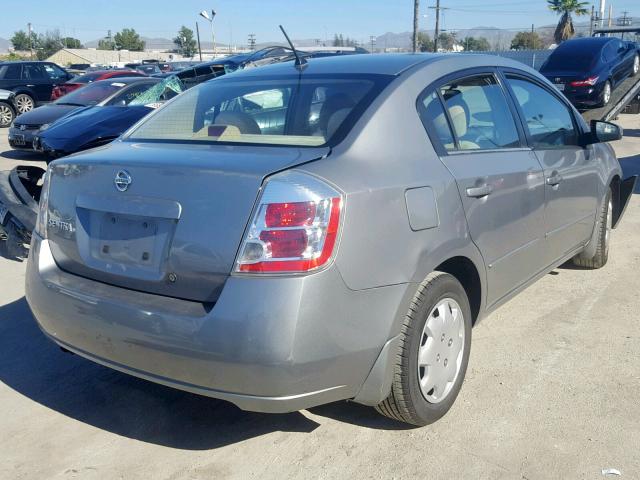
92 94
580 59
86 77
294 110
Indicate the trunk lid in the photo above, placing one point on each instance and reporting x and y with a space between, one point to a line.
176 227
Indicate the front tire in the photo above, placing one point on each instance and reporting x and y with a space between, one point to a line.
433 355
24 103
603 237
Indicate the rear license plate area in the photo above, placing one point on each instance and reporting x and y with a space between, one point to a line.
128 240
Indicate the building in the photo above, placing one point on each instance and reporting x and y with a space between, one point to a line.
68 56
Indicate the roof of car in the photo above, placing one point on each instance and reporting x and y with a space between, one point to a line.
585 42
383 64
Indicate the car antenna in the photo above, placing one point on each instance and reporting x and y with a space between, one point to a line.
301 63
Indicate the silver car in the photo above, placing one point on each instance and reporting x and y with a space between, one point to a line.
290 236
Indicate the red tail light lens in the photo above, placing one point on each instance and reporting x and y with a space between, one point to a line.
295 227
589 82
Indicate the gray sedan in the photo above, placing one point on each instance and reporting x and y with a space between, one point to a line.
290 236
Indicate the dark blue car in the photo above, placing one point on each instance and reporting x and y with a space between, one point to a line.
97 125
587 70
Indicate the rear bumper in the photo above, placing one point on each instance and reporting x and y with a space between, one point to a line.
585 96
268 345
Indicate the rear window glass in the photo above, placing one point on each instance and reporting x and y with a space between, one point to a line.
571 58
86 78
307 111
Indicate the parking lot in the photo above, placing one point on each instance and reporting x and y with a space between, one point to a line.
551 392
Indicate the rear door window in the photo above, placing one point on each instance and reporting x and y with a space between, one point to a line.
435 120
548 120
479 114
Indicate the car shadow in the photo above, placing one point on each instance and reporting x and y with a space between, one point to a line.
631 166
23 155
35 367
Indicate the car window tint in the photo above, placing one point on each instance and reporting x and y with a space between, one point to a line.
479 114
549 121
432 114
34 72
10 72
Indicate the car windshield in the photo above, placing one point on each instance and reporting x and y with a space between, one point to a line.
92 94
269 111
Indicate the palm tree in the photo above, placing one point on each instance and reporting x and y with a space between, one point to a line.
416 12
565 8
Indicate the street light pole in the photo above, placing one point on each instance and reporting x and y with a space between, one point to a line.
205 14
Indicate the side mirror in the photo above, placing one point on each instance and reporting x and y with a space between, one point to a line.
603 132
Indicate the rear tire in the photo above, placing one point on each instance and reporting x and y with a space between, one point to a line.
605 98
432 359
7 115
603 237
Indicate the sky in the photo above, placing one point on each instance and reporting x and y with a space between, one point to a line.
303 19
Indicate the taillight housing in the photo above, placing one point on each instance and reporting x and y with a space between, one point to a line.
43 210
588 82
295 226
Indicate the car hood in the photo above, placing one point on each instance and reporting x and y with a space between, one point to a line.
106 121
45 114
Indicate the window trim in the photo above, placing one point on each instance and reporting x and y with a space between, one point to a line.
461 75
578 127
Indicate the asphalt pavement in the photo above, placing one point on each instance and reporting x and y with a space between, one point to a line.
552 391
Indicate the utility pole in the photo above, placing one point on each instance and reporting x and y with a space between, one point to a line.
30 41
372 41
416 12
198 35
591 21
436 34
252 41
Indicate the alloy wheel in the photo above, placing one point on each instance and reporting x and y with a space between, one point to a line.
606 94
441 350
24 103
6 115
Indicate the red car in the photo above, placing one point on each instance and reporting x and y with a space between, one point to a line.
82 80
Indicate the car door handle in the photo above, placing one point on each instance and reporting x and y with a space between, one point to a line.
479 192
554 179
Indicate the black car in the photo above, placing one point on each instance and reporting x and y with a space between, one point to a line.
587 70
32 82
115 91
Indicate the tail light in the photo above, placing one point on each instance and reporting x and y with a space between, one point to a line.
294 228
56 93
589 82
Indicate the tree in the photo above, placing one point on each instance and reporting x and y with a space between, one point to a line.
70 42
48 44
425 44
185 42
446 41
526 41
128 39
472 44
106 44
565 8
20 40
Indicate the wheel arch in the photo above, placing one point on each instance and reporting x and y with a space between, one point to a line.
466 272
